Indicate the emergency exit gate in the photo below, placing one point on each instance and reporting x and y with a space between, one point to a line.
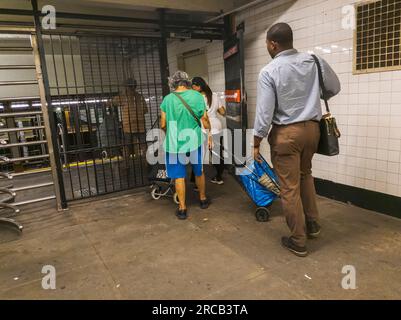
98 84
99 94
95 84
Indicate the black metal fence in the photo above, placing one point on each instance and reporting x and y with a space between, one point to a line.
106 92
93 119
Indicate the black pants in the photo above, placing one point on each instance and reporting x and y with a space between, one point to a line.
218 161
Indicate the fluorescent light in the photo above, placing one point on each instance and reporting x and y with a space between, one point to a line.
21 105
62 103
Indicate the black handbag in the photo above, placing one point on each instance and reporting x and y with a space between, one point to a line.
329 133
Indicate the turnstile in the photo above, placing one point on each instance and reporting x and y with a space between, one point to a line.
23 143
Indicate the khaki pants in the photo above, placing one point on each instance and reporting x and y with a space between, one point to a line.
292 150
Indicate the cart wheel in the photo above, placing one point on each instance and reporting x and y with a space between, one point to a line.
262 214
156 193
175 197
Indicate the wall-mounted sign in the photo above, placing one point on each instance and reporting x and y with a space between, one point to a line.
233 96
230 52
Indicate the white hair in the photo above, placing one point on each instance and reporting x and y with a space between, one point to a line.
180 78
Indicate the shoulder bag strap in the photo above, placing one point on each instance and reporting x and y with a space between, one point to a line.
189 109
321 82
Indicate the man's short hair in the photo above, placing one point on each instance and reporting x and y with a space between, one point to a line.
281 33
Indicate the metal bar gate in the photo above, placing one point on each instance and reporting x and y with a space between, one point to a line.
105 95
96 97
99 94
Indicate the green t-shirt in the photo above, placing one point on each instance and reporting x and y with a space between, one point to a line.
183 132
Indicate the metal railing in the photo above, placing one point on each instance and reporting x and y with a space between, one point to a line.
8 196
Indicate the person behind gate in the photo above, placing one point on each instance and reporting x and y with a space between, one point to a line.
288 98
133 108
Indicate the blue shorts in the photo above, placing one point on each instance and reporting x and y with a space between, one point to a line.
176 163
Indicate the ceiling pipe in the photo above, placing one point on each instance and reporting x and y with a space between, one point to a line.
241 8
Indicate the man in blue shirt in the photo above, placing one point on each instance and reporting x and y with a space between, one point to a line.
288 100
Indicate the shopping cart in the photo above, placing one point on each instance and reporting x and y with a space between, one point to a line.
259 182
161 186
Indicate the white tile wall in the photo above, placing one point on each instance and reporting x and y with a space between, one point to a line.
368 109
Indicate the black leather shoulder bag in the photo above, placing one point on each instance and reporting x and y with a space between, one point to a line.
329 133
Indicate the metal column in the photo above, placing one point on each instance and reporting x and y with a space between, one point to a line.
48 116
165 72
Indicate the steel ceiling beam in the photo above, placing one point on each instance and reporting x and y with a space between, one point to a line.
80 16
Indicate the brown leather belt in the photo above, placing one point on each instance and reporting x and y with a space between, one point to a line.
295 123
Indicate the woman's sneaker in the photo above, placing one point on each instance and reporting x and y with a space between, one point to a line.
204 204
217 181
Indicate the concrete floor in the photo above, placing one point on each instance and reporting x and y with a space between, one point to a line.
131 247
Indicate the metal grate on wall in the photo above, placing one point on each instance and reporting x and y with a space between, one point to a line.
377 36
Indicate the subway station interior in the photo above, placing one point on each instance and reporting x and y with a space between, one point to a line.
74 186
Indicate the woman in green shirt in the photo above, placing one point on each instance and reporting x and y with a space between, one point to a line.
183 112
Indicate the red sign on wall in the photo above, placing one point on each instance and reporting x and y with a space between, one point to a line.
233 96
230 52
